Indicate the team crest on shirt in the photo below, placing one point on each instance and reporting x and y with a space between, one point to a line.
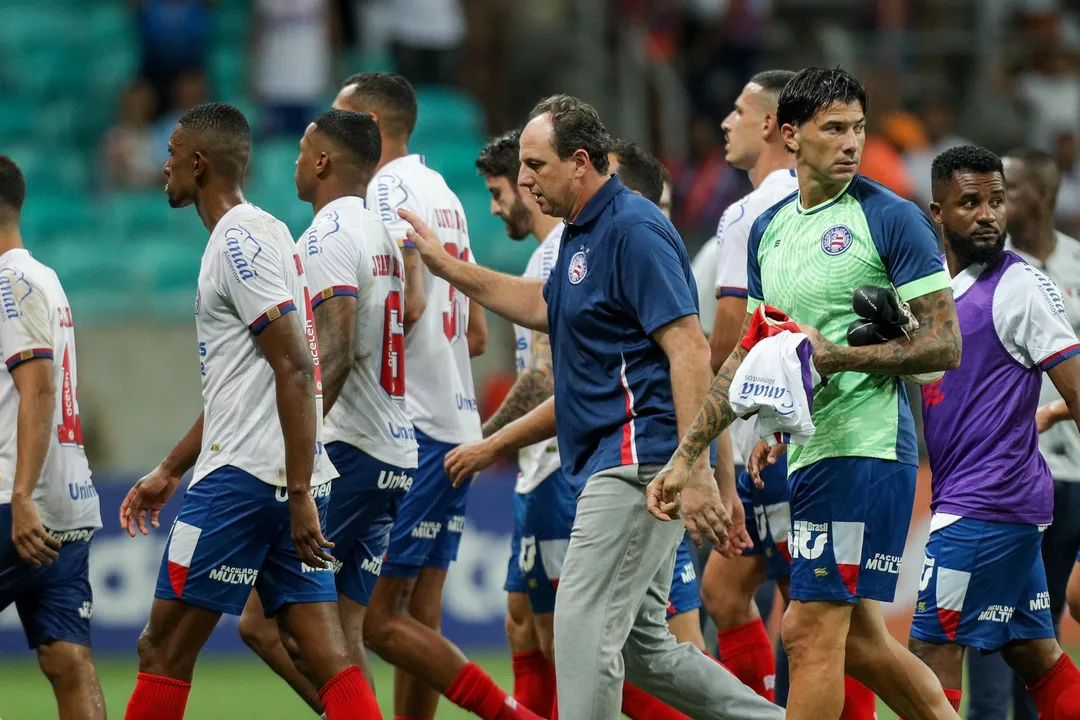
836 240
578 269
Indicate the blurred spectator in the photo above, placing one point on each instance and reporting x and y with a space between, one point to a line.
173 37
190 90
938 122
1068 199
294 51
426 37
887 128
1049 88
705 185
128 147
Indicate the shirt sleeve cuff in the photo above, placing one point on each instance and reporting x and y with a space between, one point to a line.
923 286
670 317
335 291
29 354
726 291
1059 357
271 315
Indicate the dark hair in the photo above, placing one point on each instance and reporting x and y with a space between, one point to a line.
224 134
813 89
773 81
500 157
12 185
355 133
576 126
639 170
964 158
390 95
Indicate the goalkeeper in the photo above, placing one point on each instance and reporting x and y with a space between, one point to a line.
852 485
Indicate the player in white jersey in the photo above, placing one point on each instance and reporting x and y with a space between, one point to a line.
441 403
253 512
48 505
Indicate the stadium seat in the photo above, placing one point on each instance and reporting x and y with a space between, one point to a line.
34 25
228 67
131 215
17 118
160 263
51 217
448 112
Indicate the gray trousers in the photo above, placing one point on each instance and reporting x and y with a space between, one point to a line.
610 621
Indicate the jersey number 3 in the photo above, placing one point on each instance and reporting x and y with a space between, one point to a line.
392 376
453 324
70 431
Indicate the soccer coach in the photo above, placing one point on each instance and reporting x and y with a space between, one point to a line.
631 368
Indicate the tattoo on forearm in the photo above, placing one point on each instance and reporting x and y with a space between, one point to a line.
715 414
532 387
936 345
335 326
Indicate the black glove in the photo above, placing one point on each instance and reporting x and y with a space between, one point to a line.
867 332
883 320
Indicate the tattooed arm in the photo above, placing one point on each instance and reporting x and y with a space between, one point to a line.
715 414
533 387
934 346
335 323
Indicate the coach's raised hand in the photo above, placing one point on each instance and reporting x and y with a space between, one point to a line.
427 242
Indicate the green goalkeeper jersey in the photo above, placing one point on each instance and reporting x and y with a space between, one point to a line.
808 262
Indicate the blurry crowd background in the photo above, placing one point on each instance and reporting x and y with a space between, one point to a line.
91 89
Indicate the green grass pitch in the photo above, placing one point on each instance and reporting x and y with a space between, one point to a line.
223 689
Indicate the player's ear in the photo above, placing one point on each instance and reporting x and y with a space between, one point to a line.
322 165
935 213
768 125
788 132
199 165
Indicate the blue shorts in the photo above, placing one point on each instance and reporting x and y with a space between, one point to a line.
54 602
362 510
431 517
983 585
542 522
685 587
233 534
850 518
768 517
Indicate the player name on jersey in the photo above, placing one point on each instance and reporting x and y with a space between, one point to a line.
440 399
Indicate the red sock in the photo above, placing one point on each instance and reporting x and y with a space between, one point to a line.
347 696
1057 693
953 696
157 698
860 703
640 705
474 690
747 653
534 681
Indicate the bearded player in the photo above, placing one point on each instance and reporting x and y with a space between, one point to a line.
983 584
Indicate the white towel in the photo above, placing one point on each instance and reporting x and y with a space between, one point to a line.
776 381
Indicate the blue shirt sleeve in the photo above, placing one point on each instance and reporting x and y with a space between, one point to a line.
753 266
908 246
655 282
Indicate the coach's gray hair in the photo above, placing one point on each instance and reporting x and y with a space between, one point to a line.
576 126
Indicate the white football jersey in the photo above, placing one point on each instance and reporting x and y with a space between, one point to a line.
348 251
251 275
538 461
35 322
1060 445
439 396
732 236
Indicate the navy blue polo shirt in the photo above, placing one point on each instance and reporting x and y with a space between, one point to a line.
622 273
